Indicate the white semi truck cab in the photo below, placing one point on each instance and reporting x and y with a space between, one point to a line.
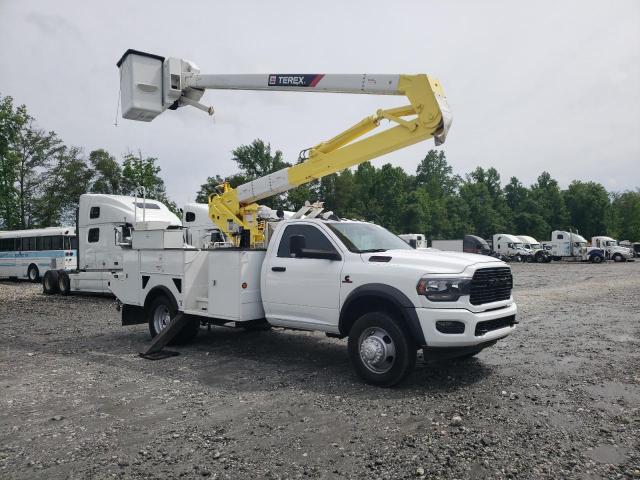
510 246
611 248
345 278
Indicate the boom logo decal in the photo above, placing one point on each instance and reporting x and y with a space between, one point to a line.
294 80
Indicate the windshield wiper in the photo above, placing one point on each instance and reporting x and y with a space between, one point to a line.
373 250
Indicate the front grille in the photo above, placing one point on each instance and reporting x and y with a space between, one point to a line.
495 324
491 285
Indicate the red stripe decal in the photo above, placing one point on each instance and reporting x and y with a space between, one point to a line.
315 81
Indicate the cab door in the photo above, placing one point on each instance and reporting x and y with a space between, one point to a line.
302 292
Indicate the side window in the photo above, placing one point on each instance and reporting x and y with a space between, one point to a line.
560 237
56 242
314 239
30 243
94 212
94 235
510 245
18 244
190 217
46 243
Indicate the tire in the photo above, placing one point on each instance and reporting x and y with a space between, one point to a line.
161 311
548 259
596 259
380 349
64 284
50 282
517 258
540 259
529 259
33 274
618 258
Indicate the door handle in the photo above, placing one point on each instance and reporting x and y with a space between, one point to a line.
278 269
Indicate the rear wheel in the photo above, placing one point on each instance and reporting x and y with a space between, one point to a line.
160 314
380 350
64 284
50 282
33 274
618 258
596 259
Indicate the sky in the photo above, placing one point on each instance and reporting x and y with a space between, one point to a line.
533 86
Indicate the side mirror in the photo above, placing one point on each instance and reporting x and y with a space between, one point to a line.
296 244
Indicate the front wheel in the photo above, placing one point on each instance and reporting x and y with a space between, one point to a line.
596 259
160 314
618 258
380 350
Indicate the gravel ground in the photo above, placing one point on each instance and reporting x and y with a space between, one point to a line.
560 398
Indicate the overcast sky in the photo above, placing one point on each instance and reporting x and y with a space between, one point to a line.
533 86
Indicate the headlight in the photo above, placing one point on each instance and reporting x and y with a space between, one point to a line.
443 289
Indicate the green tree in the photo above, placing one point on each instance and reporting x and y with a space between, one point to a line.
107 173
69 178
624 218
12 121
548 197
143 172
587 204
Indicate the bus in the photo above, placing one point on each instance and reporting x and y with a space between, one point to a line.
30 253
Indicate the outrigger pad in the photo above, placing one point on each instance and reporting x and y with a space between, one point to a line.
162 354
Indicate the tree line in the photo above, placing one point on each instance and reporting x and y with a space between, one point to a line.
436 202
41 180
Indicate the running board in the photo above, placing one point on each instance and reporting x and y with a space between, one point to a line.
154 351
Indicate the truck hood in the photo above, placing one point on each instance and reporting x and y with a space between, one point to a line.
432 261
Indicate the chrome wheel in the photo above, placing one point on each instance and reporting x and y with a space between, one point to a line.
377 350
161 317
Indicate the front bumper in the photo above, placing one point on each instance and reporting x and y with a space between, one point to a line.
492 326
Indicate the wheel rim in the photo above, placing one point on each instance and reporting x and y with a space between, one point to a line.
377 350
161 317
32 274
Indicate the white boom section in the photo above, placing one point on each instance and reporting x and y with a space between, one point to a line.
372 84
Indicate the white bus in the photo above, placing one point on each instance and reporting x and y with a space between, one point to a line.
30 253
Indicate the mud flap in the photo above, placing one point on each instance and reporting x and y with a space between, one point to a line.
154 351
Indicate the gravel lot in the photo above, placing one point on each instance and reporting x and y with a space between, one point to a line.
558 399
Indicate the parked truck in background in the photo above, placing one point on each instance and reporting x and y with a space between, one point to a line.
571 247
103 225
416 240
469 244
511 247
612 250
536 252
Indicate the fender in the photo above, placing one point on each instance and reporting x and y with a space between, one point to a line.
392 295
160 290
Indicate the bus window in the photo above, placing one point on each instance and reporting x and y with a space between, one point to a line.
74 243
29 243
46 243
56 242
68 242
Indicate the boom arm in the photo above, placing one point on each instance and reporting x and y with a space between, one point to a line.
235 210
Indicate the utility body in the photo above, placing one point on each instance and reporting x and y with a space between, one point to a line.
311 270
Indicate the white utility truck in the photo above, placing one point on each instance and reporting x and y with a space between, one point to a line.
312 271
511 247
103 226
611 248
536 252
571 247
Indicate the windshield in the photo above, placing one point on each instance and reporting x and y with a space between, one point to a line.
517 245
367 237
611 243
535 246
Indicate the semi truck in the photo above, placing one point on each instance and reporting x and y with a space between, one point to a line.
103 226
511 247
536 252
312 270
611 248
572 247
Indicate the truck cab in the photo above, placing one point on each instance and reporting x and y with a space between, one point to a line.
536 252
344 278
511 247
611 248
